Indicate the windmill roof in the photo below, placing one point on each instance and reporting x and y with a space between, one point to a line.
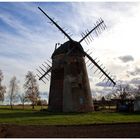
67 46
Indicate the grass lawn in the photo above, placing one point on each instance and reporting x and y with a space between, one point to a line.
28 116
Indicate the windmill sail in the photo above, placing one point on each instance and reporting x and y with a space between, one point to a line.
87 36
53 22
45 73
96 64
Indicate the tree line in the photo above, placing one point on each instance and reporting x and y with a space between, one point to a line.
124 92
30 86
32 94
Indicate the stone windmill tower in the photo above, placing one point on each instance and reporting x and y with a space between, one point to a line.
69 84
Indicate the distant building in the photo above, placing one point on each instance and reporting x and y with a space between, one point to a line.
126 105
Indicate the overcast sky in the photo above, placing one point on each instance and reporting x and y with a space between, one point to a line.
27 39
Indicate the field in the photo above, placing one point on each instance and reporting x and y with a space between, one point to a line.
35 117
28 123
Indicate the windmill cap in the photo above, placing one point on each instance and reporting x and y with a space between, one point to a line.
67 46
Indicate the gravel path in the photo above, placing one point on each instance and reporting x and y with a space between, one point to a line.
122 130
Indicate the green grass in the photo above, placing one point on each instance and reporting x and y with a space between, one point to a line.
28 116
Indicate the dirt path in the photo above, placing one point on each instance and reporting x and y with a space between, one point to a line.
123 130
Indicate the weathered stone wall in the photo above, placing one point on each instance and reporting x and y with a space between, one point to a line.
56 85
69 89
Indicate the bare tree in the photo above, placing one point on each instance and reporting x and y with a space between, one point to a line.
13 89
122 92
23 99
103 102
2 88
31 88
137 91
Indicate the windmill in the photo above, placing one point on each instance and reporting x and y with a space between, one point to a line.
69 83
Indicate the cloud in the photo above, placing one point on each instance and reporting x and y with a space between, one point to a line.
24 44
98 93
103 84
26 38
126 58
134 72
117 40
131 82
44 95
135 81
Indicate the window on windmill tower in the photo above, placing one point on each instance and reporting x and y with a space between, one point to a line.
81 100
